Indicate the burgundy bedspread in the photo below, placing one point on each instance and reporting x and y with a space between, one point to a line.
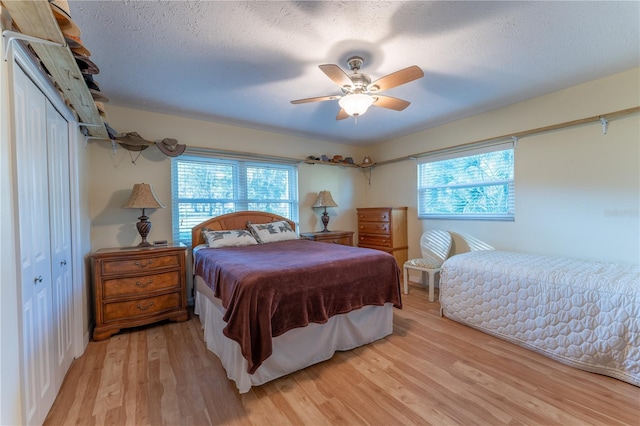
268 289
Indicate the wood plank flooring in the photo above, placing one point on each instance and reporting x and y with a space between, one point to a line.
431 371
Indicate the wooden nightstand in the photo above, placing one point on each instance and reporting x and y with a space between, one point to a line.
135 286
337 237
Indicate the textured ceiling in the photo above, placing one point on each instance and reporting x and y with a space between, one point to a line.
242 63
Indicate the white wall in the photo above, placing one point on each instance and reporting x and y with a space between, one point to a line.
113 176
577 191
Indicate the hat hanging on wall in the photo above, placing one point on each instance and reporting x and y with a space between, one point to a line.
170 147
76 45
62 13
94 89
101 110
110 131
85 64
132 141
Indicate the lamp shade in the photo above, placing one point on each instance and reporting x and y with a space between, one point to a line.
143 197
355 104
324 200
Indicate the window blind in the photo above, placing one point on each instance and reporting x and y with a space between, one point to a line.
476 183
203 187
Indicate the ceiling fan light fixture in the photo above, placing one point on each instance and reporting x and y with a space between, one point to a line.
355 104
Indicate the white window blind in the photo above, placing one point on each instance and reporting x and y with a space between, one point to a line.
203 187
474 183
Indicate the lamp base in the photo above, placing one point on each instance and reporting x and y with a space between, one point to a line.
325 220
144 227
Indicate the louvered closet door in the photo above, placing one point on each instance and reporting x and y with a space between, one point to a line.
60 230
38 328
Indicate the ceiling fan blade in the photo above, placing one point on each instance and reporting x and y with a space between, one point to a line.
396 79
336 74
342 114
390 102
318 99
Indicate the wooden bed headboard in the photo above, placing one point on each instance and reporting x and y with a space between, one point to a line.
236 220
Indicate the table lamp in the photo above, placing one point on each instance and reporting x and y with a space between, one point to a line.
325 200
143 197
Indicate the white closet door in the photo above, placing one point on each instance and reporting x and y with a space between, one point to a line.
35 257
60 229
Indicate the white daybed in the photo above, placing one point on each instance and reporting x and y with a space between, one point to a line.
582 313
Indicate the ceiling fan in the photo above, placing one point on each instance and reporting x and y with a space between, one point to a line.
359 92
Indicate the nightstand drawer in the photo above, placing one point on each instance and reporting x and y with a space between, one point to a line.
143 284
374 227
344 238
141 307
373 215
374 240
346 241
140 264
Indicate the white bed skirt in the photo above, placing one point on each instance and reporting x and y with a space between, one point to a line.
295 349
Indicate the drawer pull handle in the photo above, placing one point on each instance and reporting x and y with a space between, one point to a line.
63 263
141 285
37 279
144 265
144 308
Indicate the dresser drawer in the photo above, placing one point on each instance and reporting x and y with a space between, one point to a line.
374 215
373 227
374 240
136 308
140 285
140 264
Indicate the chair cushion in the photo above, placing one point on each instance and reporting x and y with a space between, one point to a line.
422 263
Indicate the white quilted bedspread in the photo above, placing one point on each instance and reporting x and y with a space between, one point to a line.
582 313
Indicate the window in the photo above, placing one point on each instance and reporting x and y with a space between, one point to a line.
470 184
203 187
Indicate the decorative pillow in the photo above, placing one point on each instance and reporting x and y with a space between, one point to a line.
273 231
231 238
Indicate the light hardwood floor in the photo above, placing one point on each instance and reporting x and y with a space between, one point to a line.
430 371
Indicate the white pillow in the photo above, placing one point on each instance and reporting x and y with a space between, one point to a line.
273 231
231 238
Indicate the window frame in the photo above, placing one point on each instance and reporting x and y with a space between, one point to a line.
239 199
461 153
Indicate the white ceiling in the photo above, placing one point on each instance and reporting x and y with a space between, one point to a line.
242 62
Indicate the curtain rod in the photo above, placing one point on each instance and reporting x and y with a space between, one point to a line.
603 118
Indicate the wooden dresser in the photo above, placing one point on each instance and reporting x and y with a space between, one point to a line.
337 237
384 228
137 286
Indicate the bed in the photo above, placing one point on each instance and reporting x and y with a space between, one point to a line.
583 313
272 308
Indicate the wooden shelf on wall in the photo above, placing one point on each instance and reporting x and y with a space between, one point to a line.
35 18
332 163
